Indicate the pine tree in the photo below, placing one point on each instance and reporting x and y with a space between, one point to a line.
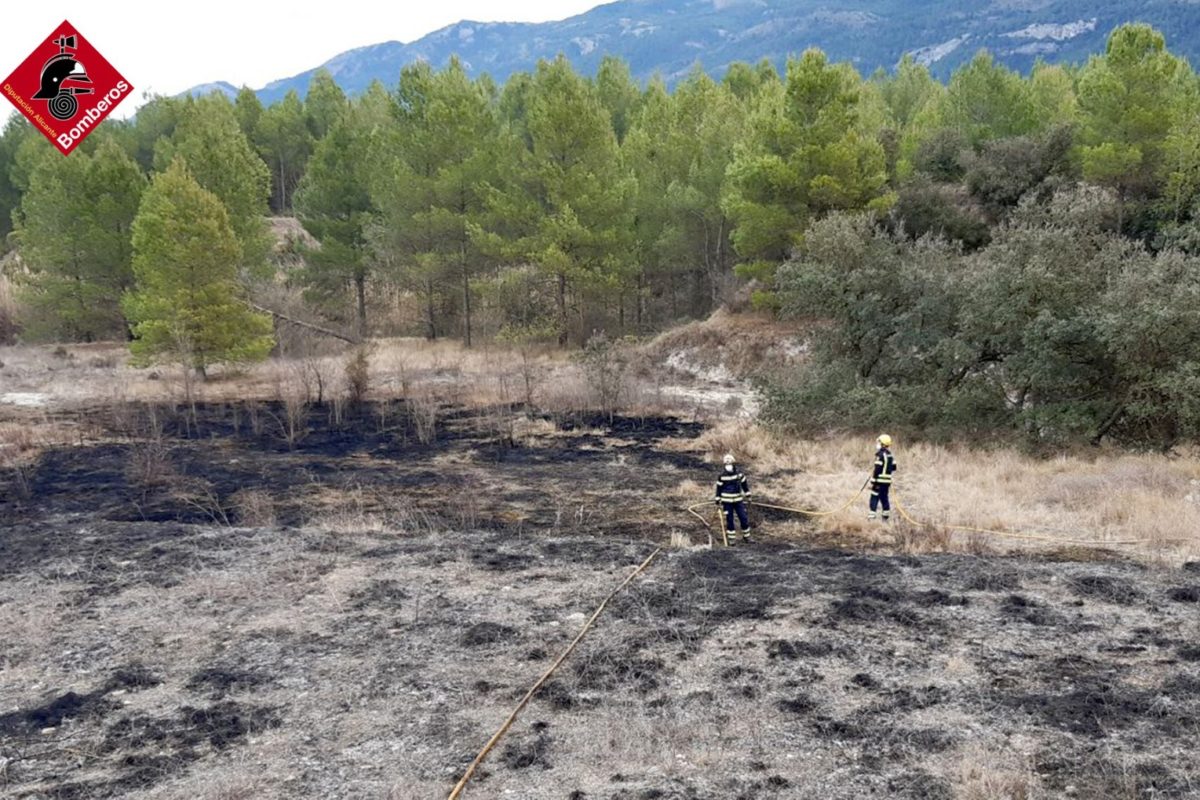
324 104
222 160
434 192
618 93
249 110
187 302
807 154
334 205
564 202
74 235
285 144
1127 98
679 148
16 130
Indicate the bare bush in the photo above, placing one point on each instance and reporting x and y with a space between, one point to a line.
365 511
254 508
203 496
423 411
680 540
921 538
108 361
358 375
254 417
605 365
312 376
991 776
295 418
293 397
149 456
337 409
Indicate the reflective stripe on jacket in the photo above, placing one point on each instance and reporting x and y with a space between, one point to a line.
732 486
885 465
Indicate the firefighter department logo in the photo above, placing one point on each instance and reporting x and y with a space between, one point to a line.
65 88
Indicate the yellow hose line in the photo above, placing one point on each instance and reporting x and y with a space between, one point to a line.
964 528
806 511
1034 537
498 735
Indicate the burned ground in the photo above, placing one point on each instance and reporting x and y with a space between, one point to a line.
370 640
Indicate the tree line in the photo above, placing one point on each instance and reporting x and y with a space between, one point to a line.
556 205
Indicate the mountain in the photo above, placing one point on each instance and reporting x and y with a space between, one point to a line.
225 88
670 36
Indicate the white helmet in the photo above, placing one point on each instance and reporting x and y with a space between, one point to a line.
729 458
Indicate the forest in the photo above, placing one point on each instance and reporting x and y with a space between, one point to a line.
1002 255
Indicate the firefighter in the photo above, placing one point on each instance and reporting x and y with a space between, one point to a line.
732 493
881 477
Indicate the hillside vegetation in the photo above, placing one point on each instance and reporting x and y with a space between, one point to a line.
999 256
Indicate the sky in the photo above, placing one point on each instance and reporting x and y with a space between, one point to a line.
167 48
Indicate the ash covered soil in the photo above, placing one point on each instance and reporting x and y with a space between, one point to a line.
194 608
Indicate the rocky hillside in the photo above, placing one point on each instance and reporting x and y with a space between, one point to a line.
670 36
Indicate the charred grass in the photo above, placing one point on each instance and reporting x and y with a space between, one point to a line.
351 612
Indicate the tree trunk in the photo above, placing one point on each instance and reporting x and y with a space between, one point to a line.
562 310
638 304
466 276
360 288
282 189
430 327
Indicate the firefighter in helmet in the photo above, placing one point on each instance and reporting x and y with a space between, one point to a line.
732 494
881 477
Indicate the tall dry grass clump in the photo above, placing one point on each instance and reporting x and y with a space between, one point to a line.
1101 497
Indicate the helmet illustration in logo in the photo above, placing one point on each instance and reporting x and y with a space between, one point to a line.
58 72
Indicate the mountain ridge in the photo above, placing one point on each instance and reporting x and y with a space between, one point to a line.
668 37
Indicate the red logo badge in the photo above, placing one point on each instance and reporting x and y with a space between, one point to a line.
66 87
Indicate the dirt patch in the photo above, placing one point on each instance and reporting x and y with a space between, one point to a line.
796 649
531 749
1185 594
218 681
484 633
800 704
1107 588
75 706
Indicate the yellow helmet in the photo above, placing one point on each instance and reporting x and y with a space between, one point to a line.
728 458
885 440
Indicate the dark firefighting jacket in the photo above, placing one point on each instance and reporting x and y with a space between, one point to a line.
732 486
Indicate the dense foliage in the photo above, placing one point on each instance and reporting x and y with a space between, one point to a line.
1001 252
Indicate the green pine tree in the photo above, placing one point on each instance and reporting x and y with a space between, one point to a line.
334 205
221 159
74 234
285 144
564 199
432 196
187 304
808 153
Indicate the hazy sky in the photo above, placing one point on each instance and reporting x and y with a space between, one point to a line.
166 48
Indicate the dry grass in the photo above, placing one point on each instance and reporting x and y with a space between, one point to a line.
1103 498
1111 497
993 774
